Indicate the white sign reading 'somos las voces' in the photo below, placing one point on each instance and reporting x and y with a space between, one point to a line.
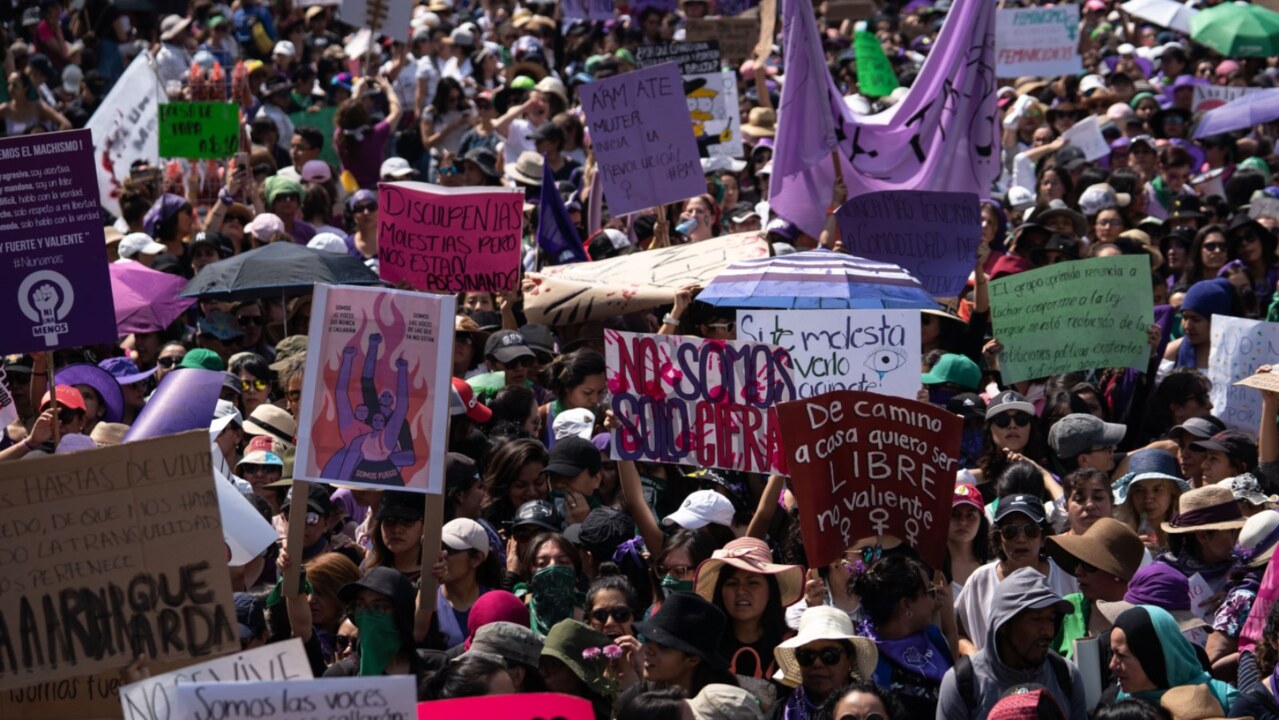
391 697
870 350
1037 41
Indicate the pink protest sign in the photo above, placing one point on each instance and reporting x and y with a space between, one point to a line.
1254 627
527 706
449 240
376 389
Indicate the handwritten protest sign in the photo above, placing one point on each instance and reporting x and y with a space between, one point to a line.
450 240
391 697
1037 41
587 9
199 130
125 129
643 138
1238 348
524 706
1254 628
375 402
932 235
691 401
1075 315
865 465
871 350
1208 97
710 93
589 291
875 76
1086 135
737 36
156 697
56 288
109 554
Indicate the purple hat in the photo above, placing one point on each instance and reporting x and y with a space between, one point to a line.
1159 584
360 196
603 441
762 143
124 371
1183 81
102 382
166 207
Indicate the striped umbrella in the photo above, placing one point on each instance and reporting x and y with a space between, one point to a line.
816 279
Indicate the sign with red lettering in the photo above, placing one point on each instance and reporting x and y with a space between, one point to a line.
525 706
692 401
866 465
450 239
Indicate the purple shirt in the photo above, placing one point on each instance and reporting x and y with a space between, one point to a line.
366 163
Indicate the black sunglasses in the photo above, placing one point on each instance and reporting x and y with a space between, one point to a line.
342 642
67 415
364 207
522 362
168 362
249 320
1032 531
829 656
1003 420
619 615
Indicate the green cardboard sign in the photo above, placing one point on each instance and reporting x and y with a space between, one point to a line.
1074 315
875 76
206 130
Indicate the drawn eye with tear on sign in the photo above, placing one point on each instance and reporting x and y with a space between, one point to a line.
885 360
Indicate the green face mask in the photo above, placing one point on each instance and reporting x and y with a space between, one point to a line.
380 640
671 585
552 589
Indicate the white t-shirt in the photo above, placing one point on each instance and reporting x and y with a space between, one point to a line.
972 607
405 83
517 139
426 70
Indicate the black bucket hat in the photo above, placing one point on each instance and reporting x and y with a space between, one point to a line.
689 624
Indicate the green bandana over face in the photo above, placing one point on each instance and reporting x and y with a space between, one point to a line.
380 640
552 590
671 585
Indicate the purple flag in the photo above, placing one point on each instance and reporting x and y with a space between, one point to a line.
184 401
941 136
555 232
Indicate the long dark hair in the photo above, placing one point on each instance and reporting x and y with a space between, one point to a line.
439 103
571 370
698 543
503 468
980 547
886 583
993 461
773 621
351 115
1196 252
1180 386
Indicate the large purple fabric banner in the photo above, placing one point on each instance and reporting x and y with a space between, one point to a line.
55 291
941 136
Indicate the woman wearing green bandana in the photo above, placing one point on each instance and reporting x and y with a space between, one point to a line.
381 604
551 566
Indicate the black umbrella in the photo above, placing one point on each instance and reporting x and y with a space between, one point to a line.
282 269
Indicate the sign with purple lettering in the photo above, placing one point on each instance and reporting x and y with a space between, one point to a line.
55 291
643 138
932 235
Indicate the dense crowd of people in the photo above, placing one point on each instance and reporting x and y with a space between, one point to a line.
1105 523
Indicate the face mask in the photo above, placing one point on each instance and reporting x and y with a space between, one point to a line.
552 594
940 397
671 585
380 640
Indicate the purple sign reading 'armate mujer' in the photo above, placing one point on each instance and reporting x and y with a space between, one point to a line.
55 291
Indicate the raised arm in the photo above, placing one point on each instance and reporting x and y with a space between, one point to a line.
767 507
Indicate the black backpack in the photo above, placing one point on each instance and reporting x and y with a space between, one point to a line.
966 679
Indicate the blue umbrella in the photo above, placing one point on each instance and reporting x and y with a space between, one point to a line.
817 279
1252 109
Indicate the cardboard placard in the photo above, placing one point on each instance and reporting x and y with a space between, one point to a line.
199 130
55 291
1074 315
932 235
450 240
125 129
711 94
1262 381
389 697
691 401
524 706
1238 348
1086 135
866 465
109 554
643 138
1037 41
737 36
156 697
568 294
376 392
875 76
870 350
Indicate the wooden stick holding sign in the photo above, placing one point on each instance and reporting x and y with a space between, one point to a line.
428 587
301 491
53 397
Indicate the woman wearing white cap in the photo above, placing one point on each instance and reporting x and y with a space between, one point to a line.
465 570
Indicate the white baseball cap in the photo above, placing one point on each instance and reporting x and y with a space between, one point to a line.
465 534
135 243
578 421
328 242
397 168
700 509
284 47
224 413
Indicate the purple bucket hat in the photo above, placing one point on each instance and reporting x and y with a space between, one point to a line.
102 382
166 207
124 371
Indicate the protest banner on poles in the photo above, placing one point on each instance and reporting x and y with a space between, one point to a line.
450 240
932 235
1075 315
375 403
125 128
1208 97
870 350
1037 41
737 36
524 706
1238 348
711 94
109 554
576 293
864 465
199 130
692 401
55 290
643 139
156 697
875 76
387 697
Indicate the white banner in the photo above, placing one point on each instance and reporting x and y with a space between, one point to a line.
1239 347
1037 41
1208 97
385 698
126 128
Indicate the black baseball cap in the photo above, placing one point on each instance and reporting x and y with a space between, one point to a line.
969 406
460 473
506 346
250 615
1028 505
1238 446
317 500
538 513
571 455
400 505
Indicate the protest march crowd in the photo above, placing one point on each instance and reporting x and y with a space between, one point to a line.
523 397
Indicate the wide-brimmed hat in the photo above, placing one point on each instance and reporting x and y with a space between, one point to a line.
750 555
717 701
270 420
172 26
1193 702
824 622
690 624
566 641
1148 465
527 169
1206 508
1156 584
1109 545
761 122
1058 208
1257 539
102 382
1247 487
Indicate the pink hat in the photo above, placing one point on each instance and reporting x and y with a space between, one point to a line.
1096 5
751 555
265 227
316 171
966 494
1225 67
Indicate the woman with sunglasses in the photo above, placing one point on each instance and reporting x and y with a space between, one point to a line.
1209 252
612 607
252 318
1253 245
362 216
1018 540
823 657
1011 429
170 356
284 199
255 380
